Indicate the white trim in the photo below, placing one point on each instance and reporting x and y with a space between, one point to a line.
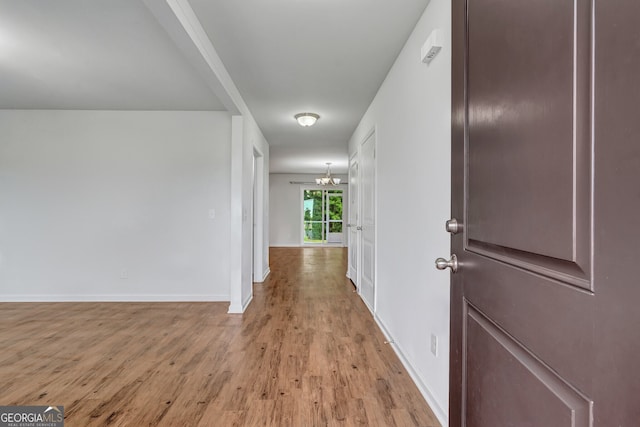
366 304
306 245
257 213
355 244
115 298
367 136
183 27
266 274
428 395
239 309
235 244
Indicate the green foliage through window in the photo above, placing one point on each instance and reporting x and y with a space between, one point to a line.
317 214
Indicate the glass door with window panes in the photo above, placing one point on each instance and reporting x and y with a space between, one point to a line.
322 217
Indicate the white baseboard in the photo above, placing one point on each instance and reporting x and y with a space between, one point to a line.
239 309
264 276
439 412
114 298
247 302
368 306
291 245
235 309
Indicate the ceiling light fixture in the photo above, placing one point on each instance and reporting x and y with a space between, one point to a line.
306 119
328 179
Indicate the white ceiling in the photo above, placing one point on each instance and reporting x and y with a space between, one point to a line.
323 56
285 56
95 55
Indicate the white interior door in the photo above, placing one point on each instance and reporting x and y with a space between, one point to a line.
367 221
354 200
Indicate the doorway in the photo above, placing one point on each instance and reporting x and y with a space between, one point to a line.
322 213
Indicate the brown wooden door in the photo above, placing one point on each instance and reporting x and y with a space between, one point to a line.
546 181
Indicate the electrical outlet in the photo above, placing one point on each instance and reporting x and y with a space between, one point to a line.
434 345
124 274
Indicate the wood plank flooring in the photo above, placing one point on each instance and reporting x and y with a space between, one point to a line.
306 353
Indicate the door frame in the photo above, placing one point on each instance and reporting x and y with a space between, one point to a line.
353 242
257 214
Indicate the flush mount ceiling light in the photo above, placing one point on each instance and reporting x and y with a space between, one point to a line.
328 179
306 119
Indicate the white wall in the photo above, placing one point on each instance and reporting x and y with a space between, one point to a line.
411 115
106 205
286 209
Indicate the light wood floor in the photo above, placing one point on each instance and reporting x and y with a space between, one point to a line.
306 353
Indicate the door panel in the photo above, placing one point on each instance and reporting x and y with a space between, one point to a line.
528 135
520 116
540 397
525 304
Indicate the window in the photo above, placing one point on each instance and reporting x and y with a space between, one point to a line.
322 217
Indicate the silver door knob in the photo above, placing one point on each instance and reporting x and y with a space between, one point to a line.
442 263
453 226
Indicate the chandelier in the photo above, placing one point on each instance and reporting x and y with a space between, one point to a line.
328 179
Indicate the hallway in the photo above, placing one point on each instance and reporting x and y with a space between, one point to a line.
306 353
